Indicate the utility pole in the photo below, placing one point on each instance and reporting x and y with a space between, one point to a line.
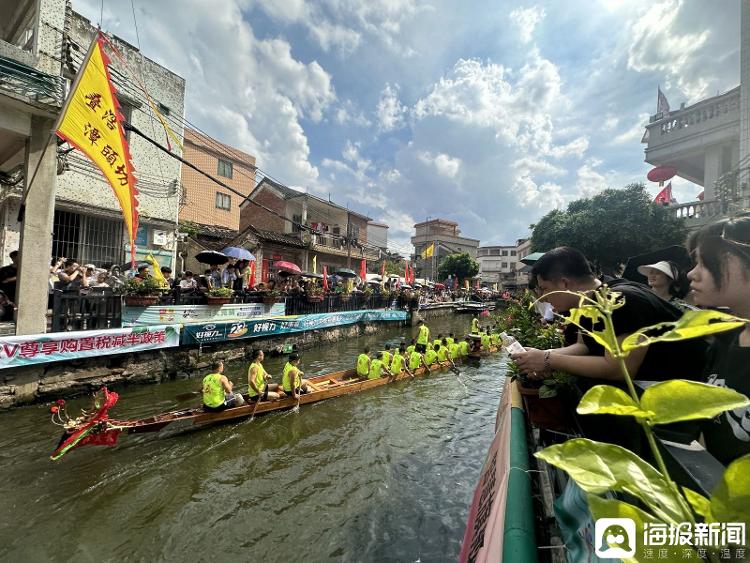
348 239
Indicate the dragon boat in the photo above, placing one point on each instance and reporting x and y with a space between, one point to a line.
96 428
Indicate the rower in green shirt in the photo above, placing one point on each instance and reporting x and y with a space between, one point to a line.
410 348
363 363
423 336
387 356
438 340
377 368
486 340
454 350
463 347
397 362
451 340
495 339
291 379
430 357
217 391
442 352
257 378
416 360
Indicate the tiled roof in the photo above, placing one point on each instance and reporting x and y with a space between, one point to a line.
271 236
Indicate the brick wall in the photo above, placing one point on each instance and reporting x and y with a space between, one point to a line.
200 192
260 218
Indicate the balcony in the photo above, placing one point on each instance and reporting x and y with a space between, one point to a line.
683 138
28 85
335 246
699 213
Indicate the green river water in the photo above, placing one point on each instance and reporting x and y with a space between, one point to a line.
382 475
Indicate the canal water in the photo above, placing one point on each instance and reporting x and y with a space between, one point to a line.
383 475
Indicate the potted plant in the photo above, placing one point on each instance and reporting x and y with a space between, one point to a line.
140 293
344 291
270 297
314 293
219 295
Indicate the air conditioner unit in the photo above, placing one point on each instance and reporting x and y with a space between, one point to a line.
160 238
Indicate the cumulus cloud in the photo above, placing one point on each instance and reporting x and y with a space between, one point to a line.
526 20
443 163
589 181
390 110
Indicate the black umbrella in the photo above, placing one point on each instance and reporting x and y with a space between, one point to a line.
677 254
212 257
346 273
128 265
312 275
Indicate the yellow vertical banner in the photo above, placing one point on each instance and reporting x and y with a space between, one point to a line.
91 121
315 264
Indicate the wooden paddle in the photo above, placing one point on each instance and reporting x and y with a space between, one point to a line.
255 408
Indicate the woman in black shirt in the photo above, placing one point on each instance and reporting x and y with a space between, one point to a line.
721 278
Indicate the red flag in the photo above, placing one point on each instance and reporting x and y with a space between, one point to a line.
251 277
325 278
665 196
382 271
363 270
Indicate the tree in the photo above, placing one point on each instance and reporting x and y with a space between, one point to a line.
610 227
458 265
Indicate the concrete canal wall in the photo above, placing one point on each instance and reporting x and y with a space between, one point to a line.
36 383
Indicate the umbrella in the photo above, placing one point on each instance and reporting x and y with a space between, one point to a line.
531 258
287 267
346 273
238 253
677 254
405 286
439 286
211 257
312 275
373 282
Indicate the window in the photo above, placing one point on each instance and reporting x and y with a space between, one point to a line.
505 252
126 110
164 110
296 222
85 238
223 201
505 265
354 232
512 252
225 168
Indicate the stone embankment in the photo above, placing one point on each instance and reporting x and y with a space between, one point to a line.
52 381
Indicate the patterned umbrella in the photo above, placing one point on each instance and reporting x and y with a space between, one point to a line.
287 267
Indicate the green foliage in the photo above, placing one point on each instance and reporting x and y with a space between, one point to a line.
220 292
692 324
599 468
520 321
146 287
460 265
395 267
610 226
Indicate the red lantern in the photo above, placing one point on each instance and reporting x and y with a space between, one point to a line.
661 173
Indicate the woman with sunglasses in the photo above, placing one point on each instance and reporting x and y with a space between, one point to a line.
721 278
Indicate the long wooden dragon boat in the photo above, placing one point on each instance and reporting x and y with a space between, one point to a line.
96 428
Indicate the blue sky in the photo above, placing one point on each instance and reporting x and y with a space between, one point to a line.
489 113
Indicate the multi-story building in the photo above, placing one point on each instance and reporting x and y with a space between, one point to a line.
497 264
708 143
270 225
203 201
31 95
523 249
446 238
377 235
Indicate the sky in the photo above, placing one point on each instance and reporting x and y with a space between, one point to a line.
489 113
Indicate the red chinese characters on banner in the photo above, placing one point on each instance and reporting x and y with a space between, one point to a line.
114 343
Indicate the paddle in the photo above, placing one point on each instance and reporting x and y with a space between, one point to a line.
454 369
409 371
299 398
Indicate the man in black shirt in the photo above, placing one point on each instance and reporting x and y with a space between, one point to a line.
567 269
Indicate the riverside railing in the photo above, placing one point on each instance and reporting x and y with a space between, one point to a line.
96 309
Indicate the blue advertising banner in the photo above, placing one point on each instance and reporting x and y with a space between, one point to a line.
205 333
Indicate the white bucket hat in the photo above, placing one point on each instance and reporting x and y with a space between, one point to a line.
663 266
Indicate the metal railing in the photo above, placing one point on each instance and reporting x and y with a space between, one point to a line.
96 309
